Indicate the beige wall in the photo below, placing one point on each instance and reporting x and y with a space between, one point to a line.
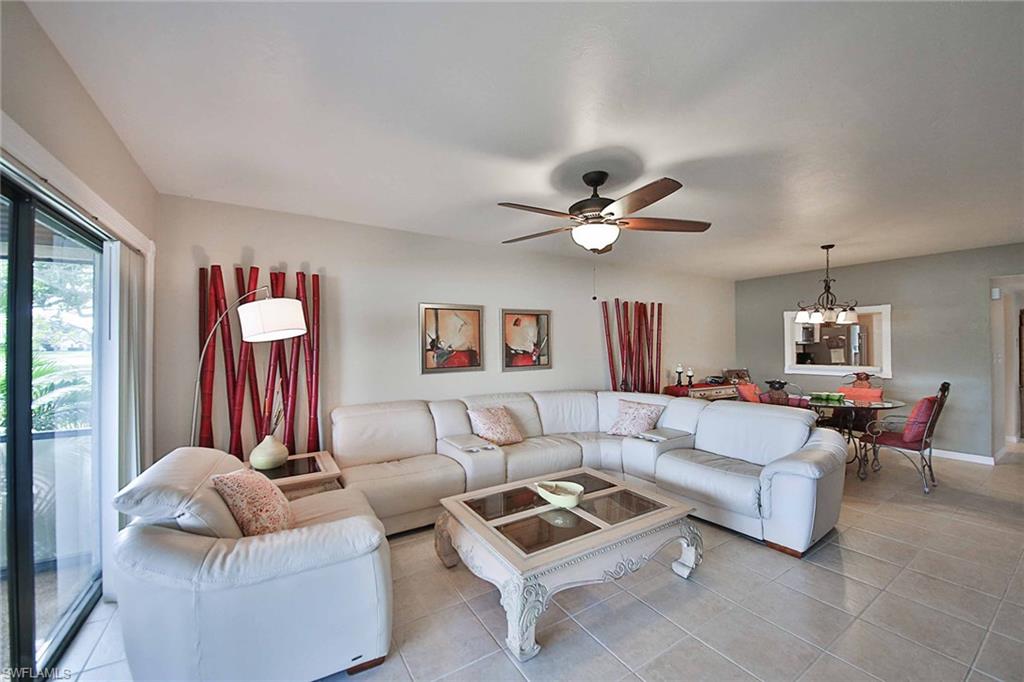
42 94
373 280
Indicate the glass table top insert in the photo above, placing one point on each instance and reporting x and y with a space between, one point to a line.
552 526
294 467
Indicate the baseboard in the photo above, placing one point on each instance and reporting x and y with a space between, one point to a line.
964 457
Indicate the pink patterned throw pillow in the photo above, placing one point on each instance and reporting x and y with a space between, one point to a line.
259 506
496 425
635 418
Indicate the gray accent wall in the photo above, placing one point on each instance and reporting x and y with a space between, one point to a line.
940 330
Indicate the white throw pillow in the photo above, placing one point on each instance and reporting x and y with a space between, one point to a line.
635 418
496 425
176 491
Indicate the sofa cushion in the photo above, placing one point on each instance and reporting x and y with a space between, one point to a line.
329 506
600 450
381 432
520 406
177 492
683 414
406 485
753 432
495 424
539 456
450 418
566 411
724 482
608 405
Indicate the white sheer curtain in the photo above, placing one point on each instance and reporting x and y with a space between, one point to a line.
123 366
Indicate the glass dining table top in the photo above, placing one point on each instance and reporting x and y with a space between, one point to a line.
538 525
858 404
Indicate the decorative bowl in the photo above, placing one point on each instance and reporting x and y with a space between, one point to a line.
820 395
563 494
836 397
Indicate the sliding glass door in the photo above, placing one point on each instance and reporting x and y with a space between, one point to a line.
51 468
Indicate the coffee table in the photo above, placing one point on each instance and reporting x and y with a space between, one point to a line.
510 536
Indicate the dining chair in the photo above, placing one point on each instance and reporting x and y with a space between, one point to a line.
778 395
908 435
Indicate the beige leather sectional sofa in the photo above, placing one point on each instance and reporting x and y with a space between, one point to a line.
763 470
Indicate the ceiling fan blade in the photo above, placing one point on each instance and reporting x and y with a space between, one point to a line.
640 198
535 209
663 225
539 234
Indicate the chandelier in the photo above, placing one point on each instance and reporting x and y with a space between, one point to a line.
826 309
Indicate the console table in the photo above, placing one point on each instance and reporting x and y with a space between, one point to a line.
704 391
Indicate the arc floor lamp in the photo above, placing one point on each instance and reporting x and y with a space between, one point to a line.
269 319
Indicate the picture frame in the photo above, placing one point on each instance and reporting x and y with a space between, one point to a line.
525 339
458 346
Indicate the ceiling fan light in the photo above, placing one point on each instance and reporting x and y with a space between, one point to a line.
595 236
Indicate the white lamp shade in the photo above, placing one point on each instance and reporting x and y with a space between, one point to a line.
848 317
595 236
802 317
816 317
831 314
271 319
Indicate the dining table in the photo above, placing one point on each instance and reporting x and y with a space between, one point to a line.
848 411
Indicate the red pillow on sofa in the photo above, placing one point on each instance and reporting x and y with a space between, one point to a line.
917 422
749 392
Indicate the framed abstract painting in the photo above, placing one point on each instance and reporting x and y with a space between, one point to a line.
450 338
526 336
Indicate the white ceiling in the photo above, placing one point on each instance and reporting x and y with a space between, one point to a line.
890 129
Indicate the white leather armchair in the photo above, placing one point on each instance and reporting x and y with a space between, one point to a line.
302 603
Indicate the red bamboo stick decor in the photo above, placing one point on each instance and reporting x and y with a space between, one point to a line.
283 367
313 430
207 373
246 352
639 344
608 344
217 282
657 357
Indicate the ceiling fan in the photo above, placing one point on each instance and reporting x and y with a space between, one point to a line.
597 221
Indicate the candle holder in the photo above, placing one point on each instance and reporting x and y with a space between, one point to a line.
689 376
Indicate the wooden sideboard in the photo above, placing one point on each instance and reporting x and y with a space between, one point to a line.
704 391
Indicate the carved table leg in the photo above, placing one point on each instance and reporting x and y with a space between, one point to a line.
524 601
443 541
692 550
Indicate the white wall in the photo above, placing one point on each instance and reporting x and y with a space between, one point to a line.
372 281
42 94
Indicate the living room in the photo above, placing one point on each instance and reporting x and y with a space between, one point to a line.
513 341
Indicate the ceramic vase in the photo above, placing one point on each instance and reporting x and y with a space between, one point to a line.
269 454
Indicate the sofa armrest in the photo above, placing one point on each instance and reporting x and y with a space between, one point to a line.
823 453
639 456
802 492
175 558
483 467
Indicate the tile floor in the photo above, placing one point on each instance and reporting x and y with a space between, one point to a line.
908 587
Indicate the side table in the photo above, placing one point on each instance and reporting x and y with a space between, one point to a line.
306 474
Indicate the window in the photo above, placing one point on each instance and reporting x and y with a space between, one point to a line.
49 284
